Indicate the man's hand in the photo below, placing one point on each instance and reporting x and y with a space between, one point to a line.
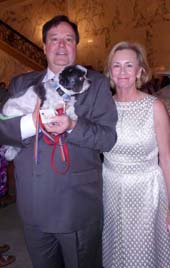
59 124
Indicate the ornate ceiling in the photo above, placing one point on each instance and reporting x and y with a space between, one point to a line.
6 4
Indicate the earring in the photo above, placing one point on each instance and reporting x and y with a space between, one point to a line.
138 82
138 78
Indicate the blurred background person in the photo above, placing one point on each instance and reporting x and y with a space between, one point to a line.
5 259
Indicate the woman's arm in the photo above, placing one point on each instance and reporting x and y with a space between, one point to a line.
96 125
162 127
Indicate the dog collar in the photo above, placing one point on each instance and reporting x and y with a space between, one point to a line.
65 96
60 91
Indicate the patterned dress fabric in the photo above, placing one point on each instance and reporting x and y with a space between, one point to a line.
3 172
134 195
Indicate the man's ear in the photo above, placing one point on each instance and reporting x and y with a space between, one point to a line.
44 48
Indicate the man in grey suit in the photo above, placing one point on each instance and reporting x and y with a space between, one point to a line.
62 214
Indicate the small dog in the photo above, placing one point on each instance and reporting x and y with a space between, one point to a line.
72 81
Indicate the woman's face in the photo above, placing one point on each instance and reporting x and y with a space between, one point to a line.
124 69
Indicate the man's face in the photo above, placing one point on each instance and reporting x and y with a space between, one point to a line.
60 47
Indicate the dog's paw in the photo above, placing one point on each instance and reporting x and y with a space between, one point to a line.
11 152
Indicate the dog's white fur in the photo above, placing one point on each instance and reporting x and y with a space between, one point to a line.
25 104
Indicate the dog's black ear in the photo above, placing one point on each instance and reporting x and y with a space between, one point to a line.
40 91
4 99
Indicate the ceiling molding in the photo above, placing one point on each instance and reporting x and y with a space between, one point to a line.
10 3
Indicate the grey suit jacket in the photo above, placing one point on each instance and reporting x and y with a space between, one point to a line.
64 203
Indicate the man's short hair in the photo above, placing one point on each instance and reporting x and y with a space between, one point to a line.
56 21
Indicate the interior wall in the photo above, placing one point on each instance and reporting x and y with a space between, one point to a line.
27 18
101 24
10 67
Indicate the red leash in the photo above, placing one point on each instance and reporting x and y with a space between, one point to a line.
55 141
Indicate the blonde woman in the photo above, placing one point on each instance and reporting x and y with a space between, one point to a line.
136 184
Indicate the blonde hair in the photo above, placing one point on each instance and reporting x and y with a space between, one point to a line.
141 57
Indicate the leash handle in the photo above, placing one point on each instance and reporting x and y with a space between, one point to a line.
64 152
54 141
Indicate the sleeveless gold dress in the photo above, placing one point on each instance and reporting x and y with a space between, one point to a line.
134 195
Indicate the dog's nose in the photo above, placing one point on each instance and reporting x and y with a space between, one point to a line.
72 82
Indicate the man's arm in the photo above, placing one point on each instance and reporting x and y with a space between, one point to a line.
14 131
10 131
97 117
97 131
